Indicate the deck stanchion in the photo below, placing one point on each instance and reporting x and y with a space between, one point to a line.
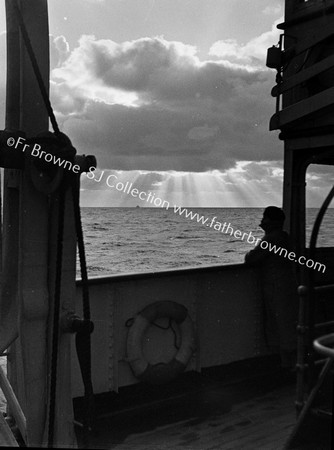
301 348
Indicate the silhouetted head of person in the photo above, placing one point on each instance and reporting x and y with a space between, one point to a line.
273 219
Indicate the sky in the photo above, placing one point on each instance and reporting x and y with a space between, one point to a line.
172 96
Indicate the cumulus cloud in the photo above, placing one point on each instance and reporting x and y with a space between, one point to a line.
148 67
59 51
153 104
253 52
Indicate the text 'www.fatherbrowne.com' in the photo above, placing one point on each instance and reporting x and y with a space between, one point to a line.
225 228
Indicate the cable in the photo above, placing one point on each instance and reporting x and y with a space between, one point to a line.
36 68
83 340
55 328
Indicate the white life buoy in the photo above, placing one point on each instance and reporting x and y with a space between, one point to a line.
162 372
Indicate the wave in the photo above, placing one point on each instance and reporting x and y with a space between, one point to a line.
120 240
96 268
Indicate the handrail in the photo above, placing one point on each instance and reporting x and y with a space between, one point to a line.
323 344
324 288
180 271
324 324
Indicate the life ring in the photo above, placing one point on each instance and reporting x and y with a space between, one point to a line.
162 372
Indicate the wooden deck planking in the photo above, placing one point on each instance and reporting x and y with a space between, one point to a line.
262 423
260 435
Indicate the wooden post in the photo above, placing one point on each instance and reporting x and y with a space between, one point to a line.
36 260
9 303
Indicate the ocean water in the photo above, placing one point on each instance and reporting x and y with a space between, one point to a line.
128 240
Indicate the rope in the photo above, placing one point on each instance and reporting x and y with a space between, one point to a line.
83 337
36 68
55 328
81 248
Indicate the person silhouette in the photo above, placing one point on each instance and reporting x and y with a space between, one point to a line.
278 285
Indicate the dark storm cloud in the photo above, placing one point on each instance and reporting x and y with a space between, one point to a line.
152 104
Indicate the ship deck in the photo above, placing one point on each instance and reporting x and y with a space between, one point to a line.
263 422
255 413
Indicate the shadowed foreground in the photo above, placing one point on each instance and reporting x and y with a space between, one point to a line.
256 414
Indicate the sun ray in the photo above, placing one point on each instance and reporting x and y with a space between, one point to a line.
248 184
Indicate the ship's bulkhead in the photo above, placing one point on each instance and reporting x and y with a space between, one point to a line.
224 304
